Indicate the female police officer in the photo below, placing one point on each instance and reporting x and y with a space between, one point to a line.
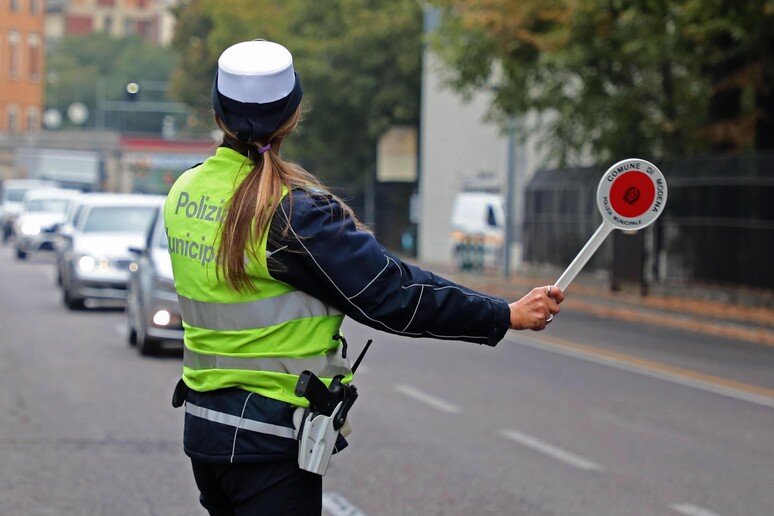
267 263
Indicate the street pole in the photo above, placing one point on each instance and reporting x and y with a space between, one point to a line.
510 195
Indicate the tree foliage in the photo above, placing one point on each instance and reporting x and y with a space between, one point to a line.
359 63
96 66
615 78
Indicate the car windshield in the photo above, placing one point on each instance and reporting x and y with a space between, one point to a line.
161 239
119 219
47 205
16 194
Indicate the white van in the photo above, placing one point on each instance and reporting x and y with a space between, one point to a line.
11 195
477 229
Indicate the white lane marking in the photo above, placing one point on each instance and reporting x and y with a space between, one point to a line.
337 505
692 510
120 329
550 450
686 381
427 399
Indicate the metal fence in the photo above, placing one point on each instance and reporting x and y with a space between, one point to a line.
717 228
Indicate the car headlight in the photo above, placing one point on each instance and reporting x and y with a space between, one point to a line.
87 263
162 318
30 229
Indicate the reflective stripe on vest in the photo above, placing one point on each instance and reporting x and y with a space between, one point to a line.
240 422
326 366
260 313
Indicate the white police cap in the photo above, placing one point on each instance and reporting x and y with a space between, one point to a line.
255 88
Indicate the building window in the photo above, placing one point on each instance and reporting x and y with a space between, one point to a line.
14 4
14 54
78 25
144 29
34 7
12 119
33 44
33 119
129 27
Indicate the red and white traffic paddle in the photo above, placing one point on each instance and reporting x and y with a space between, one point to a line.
631 195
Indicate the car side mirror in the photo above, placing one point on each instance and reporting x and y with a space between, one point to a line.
136 250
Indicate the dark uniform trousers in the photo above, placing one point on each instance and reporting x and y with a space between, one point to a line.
262 488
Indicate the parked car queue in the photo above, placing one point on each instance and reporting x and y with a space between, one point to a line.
109 248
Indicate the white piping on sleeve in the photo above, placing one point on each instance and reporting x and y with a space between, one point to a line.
371 282
400 269
385 325
339 290
422 291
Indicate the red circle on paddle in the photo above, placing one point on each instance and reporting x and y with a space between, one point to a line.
632 194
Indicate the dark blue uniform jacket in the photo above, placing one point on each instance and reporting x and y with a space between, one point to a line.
324 255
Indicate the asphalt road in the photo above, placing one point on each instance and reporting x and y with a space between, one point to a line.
592 417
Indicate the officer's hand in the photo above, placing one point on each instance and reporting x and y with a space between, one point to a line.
535 310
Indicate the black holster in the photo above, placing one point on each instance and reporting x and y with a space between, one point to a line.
180 394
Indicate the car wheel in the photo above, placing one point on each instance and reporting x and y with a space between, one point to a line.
146 345
132 337
130 326
71 302
21 255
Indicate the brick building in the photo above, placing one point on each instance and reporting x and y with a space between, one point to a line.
152 20
22 65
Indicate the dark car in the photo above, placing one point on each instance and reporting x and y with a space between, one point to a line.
152 308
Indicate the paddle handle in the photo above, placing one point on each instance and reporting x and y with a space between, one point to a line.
584 255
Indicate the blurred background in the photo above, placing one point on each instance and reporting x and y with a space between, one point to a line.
470 135
410 104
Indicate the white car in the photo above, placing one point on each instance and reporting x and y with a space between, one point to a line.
41 213
11 195
95 250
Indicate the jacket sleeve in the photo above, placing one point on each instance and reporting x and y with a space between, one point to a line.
326 256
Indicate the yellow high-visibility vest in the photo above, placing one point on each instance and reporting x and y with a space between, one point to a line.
261 340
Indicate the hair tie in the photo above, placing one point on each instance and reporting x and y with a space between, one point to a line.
263 149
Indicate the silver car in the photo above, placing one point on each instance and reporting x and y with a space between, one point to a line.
11 195
95 256
41 213
152 308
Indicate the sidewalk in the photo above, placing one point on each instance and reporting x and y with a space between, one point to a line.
732 314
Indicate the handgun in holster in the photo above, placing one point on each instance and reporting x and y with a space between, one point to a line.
322 422
327 414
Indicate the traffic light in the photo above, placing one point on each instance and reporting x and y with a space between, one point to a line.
132 91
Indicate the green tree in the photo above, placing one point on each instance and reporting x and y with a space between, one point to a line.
359 62
95 66
617 77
